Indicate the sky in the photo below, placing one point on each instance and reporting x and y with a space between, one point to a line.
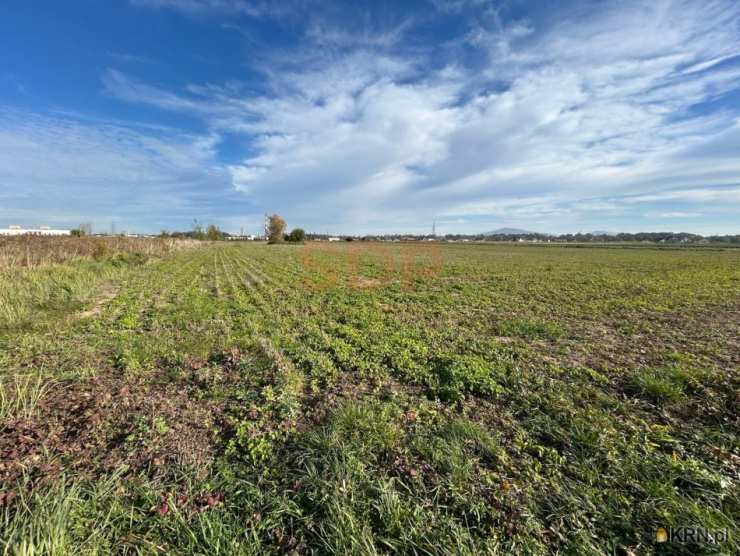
371 117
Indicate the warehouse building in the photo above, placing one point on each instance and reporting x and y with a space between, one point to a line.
40 231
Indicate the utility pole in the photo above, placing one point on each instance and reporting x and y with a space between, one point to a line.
434 228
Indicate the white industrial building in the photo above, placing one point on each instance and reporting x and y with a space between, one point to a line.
242 238
40 231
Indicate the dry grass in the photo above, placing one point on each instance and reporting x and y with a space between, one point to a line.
34 251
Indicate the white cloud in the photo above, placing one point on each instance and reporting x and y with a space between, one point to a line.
675 214
63 169
708 195
560 121
330 35
254 8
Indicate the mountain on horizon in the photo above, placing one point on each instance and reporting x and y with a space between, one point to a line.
508 232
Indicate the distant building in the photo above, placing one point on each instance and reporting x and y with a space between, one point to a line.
333 239
40 231
242 238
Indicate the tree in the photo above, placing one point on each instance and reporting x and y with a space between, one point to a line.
275 229
214 234
197 232
297 235
77 232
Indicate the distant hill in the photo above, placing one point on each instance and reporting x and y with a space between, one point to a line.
508 232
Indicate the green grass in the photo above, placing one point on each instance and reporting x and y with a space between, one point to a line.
20 396
370 399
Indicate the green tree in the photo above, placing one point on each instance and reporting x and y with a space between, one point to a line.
275 229
197 232
297 235
214 234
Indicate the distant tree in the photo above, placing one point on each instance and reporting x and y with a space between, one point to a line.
84 229
275 229
297 235
164 233
197 232
214 234
77 232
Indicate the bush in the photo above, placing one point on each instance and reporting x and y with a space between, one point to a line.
100 251
214 234
296 236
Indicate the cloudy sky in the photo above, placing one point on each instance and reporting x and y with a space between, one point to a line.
366 117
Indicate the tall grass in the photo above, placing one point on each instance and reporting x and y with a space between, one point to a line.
66 517
33 251
20 397
42 274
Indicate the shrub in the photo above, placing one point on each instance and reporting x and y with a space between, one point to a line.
296 236
101 251
214 234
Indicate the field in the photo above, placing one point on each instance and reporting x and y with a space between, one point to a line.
370 398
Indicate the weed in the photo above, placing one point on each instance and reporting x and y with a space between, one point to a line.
20 396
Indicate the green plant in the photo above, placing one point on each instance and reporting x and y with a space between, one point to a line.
297 235
656 385
20 396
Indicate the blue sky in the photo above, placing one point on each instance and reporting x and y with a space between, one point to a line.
372 117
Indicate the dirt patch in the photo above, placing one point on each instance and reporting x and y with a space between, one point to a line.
646 338
363 282
149 424
107 294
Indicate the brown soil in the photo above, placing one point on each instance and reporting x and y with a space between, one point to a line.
148 424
